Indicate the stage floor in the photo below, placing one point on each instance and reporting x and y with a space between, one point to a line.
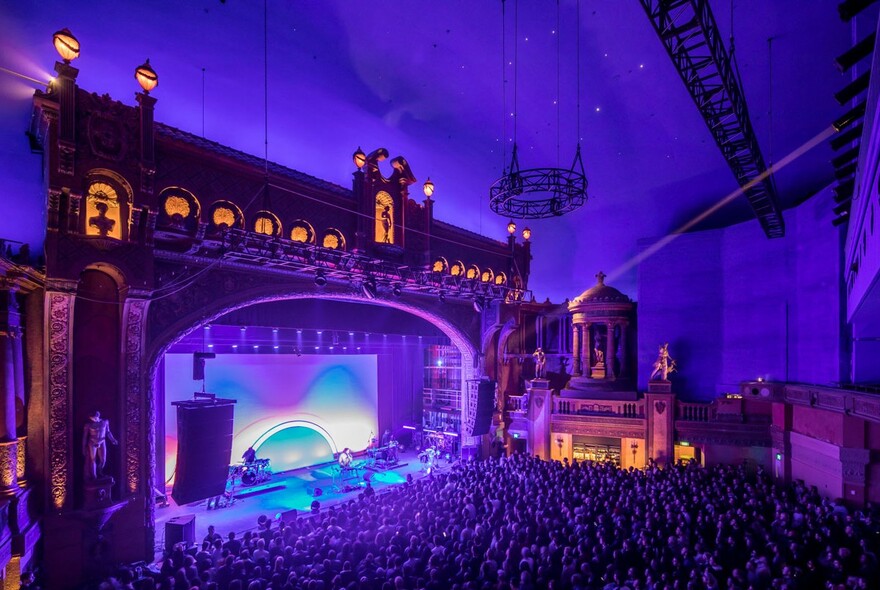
291 490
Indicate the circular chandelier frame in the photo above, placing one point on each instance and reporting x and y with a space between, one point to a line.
537 193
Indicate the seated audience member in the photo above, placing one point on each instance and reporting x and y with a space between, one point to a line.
521 523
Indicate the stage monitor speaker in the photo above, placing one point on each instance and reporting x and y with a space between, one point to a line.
180 529
485 408
204 448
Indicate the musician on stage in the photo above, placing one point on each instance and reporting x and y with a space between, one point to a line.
386 438
249 456
345 458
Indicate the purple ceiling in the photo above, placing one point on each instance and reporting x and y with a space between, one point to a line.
423 78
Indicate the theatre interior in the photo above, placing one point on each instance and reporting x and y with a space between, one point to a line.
515 264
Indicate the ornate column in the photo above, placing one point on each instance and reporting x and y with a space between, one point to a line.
9 327
623 355
587 348
610 351
20 408
59 322
576 349
136 429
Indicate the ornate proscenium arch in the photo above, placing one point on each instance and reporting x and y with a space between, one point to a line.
221 290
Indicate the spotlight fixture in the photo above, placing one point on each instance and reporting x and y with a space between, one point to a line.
479 304
396 291
243 328
66 45
442 297
428 187
146 76
368 288
320 279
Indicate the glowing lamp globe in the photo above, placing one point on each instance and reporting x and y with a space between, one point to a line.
527 234
146 76
511 228
428 187
360 158
66 45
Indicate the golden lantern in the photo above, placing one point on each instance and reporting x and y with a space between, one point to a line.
511 227
360 158
428 187
66 45
146 76
527 234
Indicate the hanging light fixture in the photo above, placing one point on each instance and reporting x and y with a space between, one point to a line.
536 193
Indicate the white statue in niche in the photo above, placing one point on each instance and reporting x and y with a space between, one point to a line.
540 360
663 366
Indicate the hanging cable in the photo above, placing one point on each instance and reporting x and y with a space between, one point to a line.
503 89
515 65
770 101
558 95
578 76
266 87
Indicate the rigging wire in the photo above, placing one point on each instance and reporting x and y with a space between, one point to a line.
503 88
515 66
558 95
578 76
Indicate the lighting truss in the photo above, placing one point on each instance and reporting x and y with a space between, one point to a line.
284 255
690 35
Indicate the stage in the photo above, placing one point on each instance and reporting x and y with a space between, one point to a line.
291 490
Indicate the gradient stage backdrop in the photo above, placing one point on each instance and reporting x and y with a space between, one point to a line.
294 410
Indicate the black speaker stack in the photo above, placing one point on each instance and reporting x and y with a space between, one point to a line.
204 448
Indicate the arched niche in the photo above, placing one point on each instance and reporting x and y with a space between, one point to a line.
440 265
106 206
179 210
302 231
333 239
384 218
223 215
267 223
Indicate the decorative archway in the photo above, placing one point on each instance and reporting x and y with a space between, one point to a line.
218 292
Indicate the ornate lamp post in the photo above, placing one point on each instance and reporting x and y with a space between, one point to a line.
634 446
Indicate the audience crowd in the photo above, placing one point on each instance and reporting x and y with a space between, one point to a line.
522 523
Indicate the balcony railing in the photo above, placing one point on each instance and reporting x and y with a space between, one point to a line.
576 407
691 412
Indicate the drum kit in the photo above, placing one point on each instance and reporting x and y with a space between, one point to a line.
250 474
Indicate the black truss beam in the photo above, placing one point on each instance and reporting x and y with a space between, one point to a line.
281 254
690 36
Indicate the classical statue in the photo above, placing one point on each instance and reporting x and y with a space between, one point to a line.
663 366
600 356
540 360
386 224
101 222
95 434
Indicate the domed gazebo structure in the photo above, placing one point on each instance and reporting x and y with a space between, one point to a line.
601 318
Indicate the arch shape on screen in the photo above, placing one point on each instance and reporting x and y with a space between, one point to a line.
265 436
